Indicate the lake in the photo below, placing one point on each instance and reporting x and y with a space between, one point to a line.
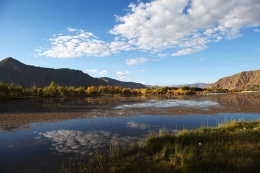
40 135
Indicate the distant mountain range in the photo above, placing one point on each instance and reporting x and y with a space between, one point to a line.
13 71
246 80
196 85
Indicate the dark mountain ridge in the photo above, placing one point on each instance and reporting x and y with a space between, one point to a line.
13 71
115 82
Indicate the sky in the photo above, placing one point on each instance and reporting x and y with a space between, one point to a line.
155 42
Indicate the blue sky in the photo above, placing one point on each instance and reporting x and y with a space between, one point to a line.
157 42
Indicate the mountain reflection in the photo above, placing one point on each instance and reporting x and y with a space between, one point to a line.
85 143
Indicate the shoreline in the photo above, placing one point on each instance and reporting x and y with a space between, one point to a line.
19 114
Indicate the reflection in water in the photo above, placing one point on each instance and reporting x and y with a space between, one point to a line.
40 110
30 148
248 100
43 147
85 143
170 103
132 124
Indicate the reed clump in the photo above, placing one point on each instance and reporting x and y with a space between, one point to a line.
230 147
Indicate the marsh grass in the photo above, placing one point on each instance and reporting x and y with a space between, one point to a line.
230 147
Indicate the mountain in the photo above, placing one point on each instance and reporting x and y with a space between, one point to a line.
246 80
114 82
196 85
13 71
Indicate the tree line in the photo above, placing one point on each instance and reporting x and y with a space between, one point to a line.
14 91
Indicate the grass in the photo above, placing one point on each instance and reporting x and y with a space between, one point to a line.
230 147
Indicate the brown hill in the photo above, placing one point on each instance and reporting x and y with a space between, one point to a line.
13 71
247 80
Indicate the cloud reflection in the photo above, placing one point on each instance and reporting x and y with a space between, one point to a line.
85 143
170 103
137 125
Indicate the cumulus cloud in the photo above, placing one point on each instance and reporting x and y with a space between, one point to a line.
85 143
182 27
123 75
77 43
185 26
135 61
256 30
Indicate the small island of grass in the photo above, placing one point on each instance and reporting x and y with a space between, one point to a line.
230 147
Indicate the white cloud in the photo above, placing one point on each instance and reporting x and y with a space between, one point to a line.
190 50
182 27
72 29
161 24
256 30
95 71
118 45
162 55
38 50
78 43
92 70
139 71
103 72
135 61
123 75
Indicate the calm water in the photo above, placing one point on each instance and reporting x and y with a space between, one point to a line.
43 147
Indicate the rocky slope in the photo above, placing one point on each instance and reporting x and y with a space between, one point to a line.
247 80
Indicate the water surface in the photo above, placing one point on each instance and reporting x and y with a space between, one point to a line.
43 146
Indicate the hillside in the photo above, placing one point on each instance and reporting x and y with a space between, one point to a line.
247 80
13 71
114 82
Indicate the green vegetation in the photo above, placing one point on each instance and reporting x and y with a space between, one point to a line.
229 147
13 91
10 91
